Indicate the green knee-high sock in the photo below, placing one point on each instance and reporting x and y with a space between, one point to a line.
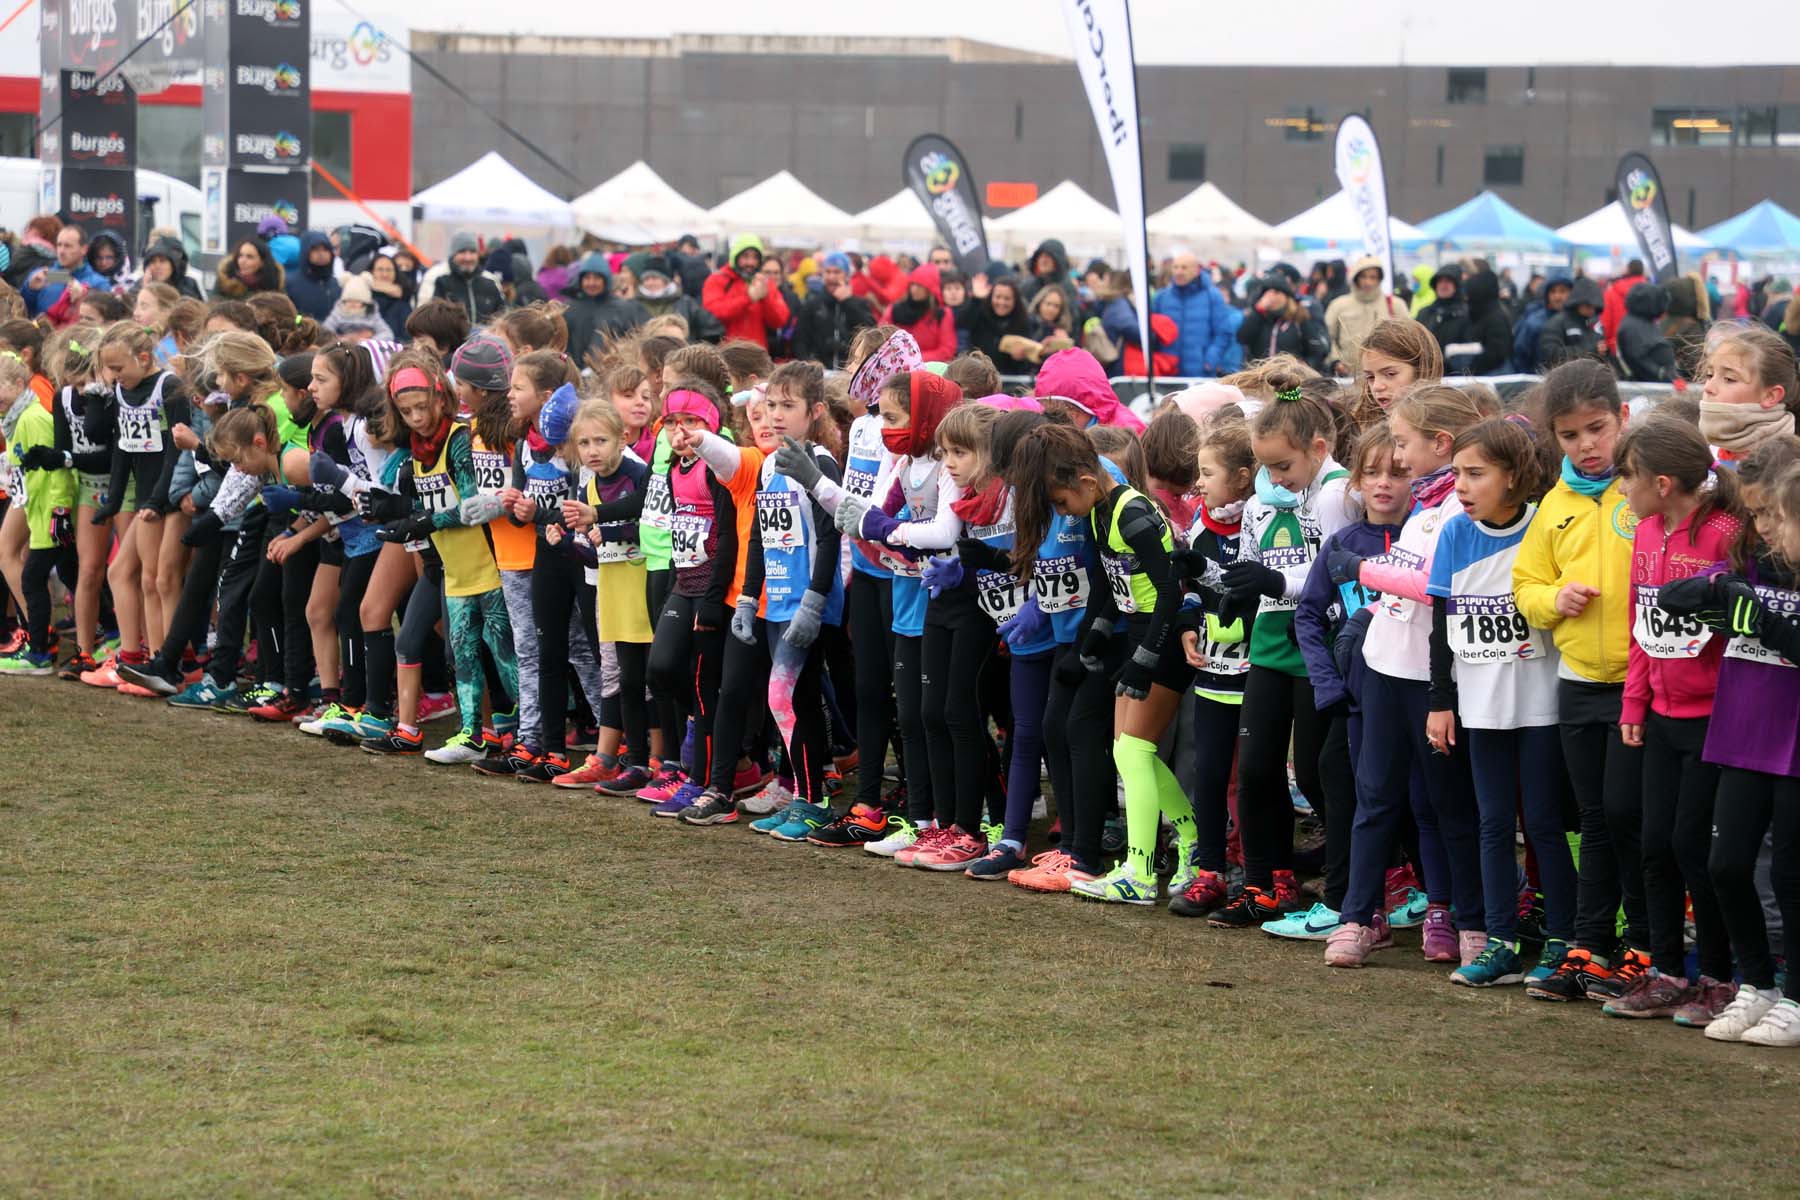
1137 762
1176 806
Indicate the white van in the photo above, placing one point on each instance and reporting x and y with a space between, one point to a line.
177 204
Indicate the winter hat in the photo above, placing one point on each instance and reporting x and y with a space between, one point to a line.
499 264
651 264
1275 281
271 226
484 362
558 414
900 353
838 259
356 287
462 240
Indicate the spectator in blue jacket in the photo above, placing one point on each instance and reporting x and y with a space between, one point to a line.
71 256
313 287
1199 313
1530 328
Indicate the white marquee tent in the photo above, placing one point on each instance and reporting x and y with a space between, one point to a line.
1065 212
1606 230
1206 216
490 196
899 218
638 208
1332 223
785 211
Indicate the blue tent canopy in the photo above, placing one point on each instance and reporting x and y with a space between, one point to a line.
1764 228
1487 220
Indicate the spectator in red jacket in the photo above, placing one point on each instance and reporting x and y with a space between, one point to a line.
881 281
741 298
1613 311
921 312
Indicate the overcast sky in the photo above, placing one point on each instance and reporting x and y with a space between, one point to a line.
1363 32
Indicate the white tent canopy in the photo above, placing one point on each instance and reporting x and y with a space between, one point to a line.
1333 222
1080 222
901 217
1207 216
785 211
1606 229
638 208
491 191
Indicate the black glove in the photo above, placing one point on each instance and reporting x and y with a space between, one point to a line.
381 506
711 614
1782 635
1093 645
1253 579
1743 608
1695 596
978 555
1068 670
326 501
206 529
104 513
1337 708
1190 563
411 529
1349 642
1134 678
1342 565
44 458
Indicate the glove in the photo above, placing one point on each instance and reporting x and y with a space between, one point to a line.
1069 670
1198 565
327 470
849 515
1094 644
479 510
1253 579
1025 626
1134 678
62 527
709 614
381 506
45 458
206 529
942 575
1348 646
796 462
804 627
743 621
1695 596
326 500
978 554
410 529
104 513
1343 566
1743 607
280 499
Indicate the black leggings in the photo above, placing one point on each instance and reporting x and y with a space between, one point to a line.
243 559
909 700
959 640
1337 780
1275 703
1678 821
424 608
38 565
870 604
743 695
1608 778
686 661
353 669
187 624
1215 753
1750 804
1078 727
673 704
557 588
284 640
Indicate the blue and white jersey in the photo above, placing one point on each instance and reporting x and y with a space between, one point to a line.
1505 669
784 521
868 469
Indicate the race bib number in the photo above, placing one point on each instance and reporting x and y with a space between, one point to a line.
140 429
659 502
434 491
1775 600
547 491
778 519
1224 658
1486 629
15 485
1119 570
687 539
1281 558
859 478
1059 584
1662 634
900 565
1000 595
614 552
491 472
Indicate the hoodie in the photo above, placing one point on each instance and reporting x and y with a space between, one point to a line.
1644 351
702 325
1531 326
932 325
882 282
1685 324
727 297
313 289
1567 334
175 254
1612 308
1030 284
1448 319
1487 325
1350 318
593 319
1076 376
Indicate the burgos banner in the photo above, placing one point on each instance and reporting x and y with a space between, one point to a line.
1647 208
939 176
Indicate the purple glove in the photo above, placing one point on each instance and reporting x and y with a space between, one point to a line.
1025 626
940 574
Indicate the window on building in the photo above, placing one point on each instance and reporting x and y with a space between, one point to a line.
1769 125
15 135
1187 164
1692 126
1465 85
331 148
1503 166
169 140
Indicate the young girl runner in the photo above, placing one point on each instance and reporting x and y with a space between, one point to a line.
1687 524
42 490
285 581
1739 409
1283 529
1573 578
1496 676
1397 354
71 357
1395 702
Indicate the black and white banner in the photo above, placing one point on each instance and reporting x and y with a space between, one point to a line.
939 176
1647 208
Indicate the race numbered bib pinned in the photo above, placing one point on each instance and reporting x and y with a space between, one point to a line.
1662 634
778 519
614 552
1398 607
1748 649
659 502
435 495
1225 657
140 429
1281 558
1059 584
1489 629
687 539
1119 570
491 472
1000 595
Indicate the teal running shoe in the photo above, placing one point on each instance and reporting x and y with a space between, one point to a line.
802 819
1496 965
774 820
1554 952
1314 925
1410 912
1120 885
353 727
203 693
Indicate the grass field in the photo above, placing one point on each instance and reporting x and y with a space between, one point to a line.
236 961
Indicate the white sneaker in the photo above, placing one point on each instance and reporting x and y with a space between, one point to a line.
463 748
1780 1026
772 798
904 834
1742 1015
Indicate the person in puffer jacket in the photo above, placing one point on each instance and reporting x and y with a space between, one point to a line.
1572 333
745 303
921 312
1075 377
1643 350
1279 324
1194 304
1685 324
170 251
313 285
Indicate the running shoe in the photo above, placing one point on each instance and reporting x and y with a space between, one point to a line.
510 764
772 821
771 799
1651 995
1054 834
506 724
1253 906
802 819
1351 944
1570 979
1051 871
1397 883
665 783
1288 897
1496 965
282 707
546 768
1469 944
749 780
355 727
1631 967
1187 868
680 802
1203 894
315 726
861 826
1710 998
76 667
205 694
1439 941
955 851
106 675
628 781
929 836
132 689
588 774
242 702
465 746
1112 837
1745 1012
14 642
998 863
399 743
710 809
1316 924
152 675
435 706
1780 1026
1409 913
1120 885
24 662
901 834
991 834
1554 951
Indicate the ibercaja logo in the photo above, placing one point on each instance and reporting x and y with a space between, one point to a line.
283 79
940 172
96 208
1641 188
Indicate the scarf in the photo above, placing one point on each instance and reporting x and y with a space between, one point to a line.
1428 491
1272 493
981 507
426 449
1583 484
907 311
1227 520
1741 428
10 421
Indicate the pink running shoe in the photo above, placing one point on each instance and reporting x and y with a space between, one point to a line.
749 781
928 838
106 675
435 706
1470 944
954 851
1439 941
1351 945
1051 871
663 785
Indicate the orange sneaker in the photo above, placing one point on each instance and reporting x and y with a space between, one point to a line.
1051 871
132 689
106 675
588 774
